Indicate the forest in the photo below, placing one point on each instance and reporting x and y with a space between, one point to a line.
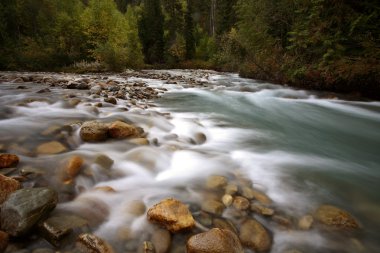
317 44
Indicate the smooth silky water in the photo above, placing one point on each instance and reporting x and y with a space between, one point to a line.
300 149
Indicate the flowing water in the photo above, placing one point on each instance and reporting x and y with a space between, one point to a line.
299 148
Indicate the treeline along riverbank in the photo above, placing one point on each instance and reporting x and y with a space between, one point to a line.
317 44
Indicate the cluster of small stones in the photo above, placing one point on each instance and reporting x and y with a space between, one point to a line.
225 222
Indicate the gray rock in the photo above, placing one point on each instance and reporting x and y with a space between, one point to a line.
24 208
55 228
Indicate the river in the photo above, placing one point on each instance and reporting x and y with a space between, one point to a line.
301 148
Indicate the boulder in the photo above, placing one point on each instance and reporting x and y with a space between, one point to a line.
255 236
89 243
24 208
122 130
214 241
8 160
171 214
51 148
4 239
336 218
94 131
7 186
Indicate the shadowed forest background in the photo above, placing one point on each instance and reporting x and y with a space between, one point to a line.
318 44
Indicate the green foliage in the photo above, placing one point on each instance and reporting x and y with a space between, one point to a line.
189 31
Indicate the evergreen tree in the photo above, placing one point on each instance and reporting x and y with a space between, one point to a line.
189 31
151 31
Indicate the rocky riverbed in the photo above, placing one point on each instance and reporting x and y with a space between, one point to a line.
82 168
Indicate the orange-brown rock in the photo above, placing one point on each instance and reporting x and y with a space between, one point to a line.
89 243
214 241
171 214
72 167
51 148
336 218
8 160
7 186
255 236
122 130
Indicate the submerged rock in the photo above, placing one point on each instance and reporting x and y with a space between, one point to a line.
147 247
104 161
111 100
161 239
51 148
25 207
122 130
8 160
94 131
213 206
171 214
214 241
255 236
216 182
336 218
73 167
305 222
7 186
89 243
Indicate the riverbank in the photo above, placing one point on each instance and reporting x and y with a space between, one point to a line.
114 175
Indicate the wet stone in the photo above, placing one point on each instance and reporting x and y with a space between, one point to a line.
227 200
224 224
336 218
216 182
111 100
136 207
104 161
147 247
214 241
51 148
93 131
89 243
171 214
7 186
305 222
213 206
72 167
255 236
25 207
161 239
8 160
122 130
241 203
139 141
261 197
231 189
260 209
55 228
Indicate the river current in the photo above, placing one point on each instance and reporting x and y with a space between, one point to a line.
301 148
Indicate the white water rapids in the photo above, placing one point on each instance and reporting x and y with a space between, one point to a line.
301 148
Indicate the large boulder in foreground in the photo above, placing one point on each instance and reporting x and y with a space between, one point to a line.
89 243
7 186
214 241
255 236
171 214
94 131
24 208
336 218
8 160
